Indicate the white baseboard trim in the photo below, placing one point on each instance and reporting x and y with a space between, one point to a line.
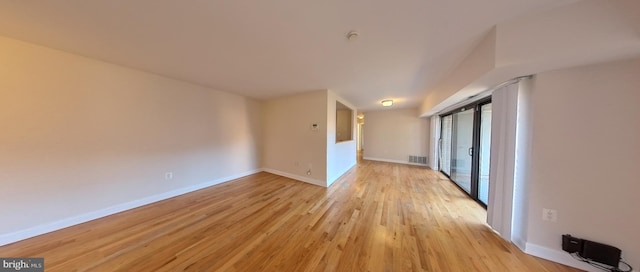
394 161
16 236
296 177
520 243
557 256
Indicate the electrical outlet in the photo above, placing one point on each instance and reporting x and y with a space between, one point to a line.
549 215
168 175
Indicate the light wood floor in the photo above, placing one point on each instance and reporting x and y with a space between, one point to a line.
378 217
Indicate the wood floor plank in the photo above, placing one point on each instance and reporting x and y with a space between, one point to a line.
377 217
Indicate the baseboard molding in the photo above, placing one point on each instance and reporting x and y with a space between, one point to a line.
394 161
82 218
557 256
296 177
520 243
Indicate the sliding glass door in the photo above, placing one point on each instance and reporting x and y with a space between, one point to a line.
462 148
465 143
484 152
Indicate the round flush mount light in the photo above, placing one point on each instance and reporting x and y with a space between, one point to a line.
352 35
387 103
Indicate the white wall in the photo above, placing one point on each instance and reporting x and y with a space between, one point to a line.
291 147
82 138
393 135
585 154
587 31
341 156
480 61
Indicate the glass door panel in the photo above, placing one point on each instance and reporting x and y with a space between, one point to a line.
462 143
485 148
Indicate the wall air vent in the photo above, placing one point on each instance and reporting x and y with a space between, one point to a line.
418 159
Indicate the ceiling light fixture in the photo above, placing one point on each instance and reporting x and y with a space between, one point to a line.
387 103
352 35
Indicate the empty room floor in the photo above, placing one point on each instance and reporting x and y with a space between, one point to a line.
378 217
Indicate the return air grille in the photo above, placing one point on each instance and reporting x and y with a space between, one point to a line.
418 159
